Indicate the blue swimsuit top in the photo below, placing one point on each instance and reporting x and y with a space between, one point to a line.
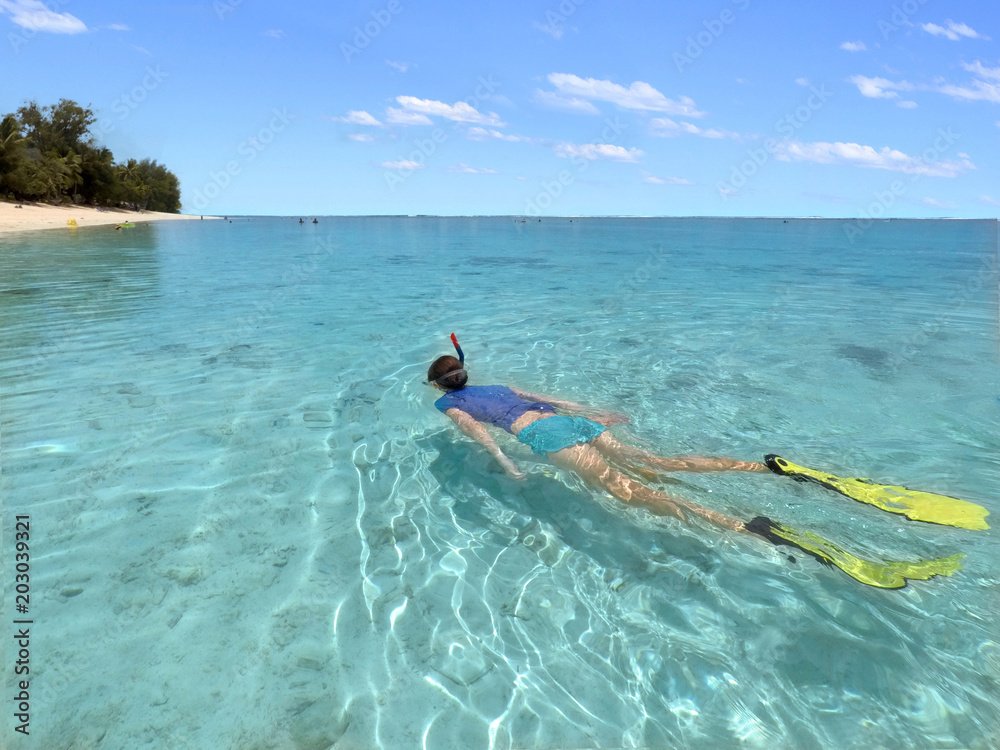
497 405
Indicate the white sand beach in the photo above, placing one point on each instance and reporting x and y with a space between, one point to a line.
31 216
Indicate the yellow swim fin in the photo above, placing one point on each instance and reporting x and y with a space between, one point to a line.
884 575
914 504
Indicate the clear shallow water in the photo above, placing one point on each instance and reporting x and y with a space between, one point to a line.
250 529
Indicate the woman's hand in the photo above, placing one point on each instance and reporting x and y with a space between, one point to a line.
508 466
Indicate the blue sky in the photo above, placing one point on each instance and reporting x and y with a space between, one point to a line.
579 107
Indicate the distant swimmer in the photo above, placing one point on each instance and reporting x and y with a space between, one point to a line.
315 221
301 222
583 445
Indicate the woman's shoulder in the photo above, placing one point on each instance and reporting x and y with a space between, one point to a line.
473 393
485 390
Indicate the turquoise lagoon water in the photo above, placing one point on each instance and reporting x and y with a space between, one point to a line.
250 528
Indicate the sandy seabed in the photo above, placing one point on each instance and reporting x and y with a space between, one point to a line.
32 216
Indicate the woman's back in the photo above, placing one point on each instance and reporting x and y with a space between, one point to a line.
495 405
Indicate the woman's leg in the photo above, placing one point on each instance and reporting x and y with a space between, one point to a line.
612 448
586 461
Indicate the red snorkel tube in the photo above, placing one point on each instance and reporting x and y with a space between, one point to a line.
461 355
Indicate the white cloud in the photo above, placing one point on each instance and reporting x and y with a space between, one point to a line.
358 117
400 66
883 88
982 71
880 88
402 164
936 203
856 155
985 88
33 15
553 30
667 128
555 100
802 81
476 133
597 151
650 179
395 116
639 95
118 27
854 46
274 33
459 111
361 137
466 169
989 199
954 31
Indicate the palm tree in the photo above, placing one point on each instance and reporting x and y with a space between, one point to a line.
11 156
136 189
10 134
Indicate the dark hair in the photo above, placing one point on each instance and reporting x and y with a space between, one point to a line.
448 365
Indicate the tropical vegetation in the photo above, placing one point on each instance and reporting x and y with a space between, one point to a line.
49 154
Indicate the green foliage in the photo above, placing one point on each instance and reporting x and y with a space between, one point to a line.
49 154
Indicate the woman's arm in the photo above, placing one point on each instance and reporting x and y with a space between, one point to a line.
477 432
606 418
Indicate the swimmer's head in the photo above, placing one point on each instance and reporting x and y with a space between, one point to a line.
448 373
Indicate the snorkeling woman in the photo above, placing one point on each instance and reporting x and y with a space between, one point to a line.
578 443
583 445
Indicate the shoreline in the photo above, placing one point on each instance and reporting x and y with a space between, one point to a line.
35 216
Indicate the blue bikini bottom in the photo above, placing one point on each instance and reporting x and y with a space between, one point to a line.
551 434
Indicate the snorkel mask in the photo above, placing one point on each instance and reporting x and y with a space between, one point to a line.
453 375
